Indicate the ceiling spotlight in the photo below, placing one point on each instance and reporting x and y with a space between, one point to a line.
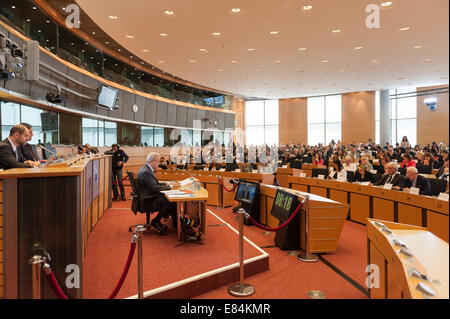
234 61
169 12
251 49
357 48
374 61
235 10
273 32
418 47
192 61
129 36
216 34
220 70
277 61
428 60
325 61
307 8
386 4
405 29
145 50
113 17
337 31
302 49
161 61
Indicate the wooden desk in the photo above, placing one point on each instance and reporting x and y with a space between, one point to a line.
199 198
377 202
430 258
326 218
55 207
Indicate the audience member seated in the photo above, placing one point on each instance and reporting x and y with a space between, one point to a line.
162 163
348 165
442 173
413 179
407 161
392 177
365 161
362 175
10 155
26 149
317 159
337 171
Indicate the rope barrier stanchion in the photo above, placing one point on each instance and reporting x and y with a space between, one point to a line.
121 181
297 210
241 289
139 232
226 189
35 263
53 282
127 267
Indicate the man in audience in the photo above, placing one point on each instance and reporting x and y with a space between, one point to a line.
152 200
10 155
348 165
26 149
392 177
413 179
442 173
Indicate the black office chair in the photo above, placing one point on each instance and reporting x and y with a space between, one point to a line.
198 168
425 169
231 167
437 186
402 171
136 203
377 177
296 164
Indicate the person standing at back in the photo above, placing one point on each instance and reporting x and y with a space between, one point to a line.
119 157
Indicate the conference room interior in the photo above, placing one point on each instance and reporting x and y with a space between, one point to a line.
325 122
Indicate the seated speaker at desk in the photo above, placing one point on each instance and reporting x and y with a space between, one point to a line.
287 238
247 195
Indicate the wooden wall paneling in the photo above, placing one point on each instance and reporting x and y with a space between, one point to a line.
383 209
360 208
293 120
438 224
409 215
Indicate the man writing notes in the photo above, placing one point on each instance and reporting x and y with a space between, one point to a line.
152 199
10 155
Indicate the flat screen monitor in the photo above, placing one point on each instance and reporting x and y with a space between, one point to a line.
219 100
107 97
209 101
284 205
49 122
246 192
46 154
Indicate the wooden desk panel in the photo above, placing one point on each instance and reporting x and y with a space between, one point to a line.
319 191
338 196
359 208
383 209
376 258
409 215
438 224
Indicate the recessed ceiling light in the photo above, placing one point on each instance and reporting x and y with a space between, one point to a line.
374 61
163 34
216 34
129 36
169 12
161 61
428 60
404 29
343 70
273 32
234 61
251 49
113 17
235 10
145 50
418 47
28 20
386 4
357 48
325 61
118 50
203 50
192 61
307 8
13 7
302 49
220 70
337 31
93 32
277 61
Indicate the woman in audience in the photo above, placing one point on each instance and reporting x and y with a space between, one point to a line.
405 143
407 161
317 160
362 175
337 171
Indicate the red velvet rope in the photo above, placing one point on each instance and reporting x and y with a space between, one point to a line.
228 190
125 272
279 227
120 180
60 294
55 286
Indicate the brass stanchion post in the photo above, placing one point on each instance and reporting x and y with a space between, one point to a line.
35 263
241 289
138 233
306 256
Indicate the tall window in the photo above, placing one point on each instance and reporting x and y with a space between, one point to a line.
147 135
90 131
403 116
377 117
324 119
110 133
261 122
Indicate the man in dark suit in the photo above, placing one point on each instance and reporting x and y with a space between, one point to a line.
150 193
413 179
26 149
392 177
10 154
442 173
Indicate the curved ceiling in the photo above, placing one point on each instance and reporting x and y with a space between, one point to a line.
274 49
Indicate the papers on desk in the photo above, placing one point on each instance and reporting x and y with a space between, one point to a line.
186 181
443 196
177 194
387 186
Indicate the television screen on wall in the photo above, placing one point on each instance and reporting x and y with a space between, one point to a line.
107 97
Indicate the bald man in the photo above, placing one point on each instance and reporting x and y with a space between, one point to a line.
413 179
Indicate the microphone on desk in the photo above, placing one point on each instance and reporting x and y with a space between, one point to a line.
46 149
234 181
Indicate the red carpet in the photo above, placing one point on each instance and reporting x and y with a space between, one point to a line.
289 278
109 243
